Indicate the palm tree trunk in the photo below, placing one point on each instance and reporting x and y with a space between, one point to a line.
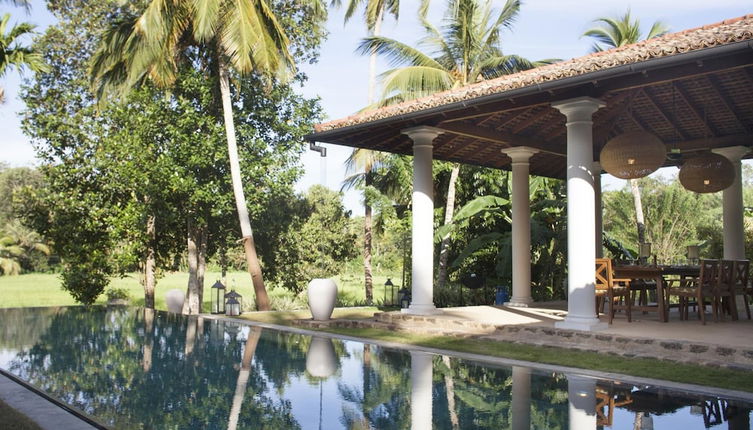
201 264
150 263
448 211
148 350
449 385
367 229
191 303
254 268
240 386
639 220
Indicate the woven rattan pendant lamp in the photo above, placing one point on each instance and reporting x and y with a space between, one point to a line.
633 155
707 173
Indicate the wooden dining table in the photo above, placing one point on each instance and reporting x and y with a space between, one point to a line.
656 273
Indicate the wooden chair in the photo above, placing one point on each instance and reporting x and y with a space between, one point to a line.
724 291
699 289
742 284
610 289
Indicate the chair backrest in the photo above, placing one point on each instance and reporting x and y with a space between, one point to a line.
603 273
726 278
709 274
741 274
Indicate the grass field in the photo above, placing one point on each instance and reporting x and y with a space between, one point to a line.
44 290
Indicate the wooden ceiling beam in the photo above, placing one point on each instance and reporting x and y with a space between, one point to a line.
703 119
655 105
528 122
490 135
713 81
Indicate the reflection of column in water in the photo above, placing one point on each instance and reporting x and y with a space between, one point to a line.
521 398
581 393
421 382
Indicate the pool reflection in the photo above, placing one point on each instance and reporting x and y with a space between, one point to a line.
135 368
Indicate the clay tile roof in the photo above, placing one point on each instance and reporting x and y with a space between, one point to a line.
722 33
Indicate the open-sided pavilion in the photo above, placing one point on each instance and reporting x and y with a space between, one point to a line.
692 89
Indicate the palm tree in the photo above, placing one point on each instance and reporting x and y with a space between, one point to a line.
13 53
465 50
613 33
363 159
244 36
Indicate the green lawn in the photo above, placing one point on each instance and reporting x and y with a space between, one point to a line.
44 290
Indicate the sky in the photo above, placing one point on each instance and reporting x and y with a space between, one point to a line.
544 29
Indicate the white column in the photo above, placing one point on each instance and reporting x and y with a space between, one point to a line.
599 211
421 389
521 227
521 398
422 290
581 394
581 223
732 206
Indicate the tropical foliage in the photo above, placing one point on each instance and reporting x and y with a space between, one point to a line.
13 53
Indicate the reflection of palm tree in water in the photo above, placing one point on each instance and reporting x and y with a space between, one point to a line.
243 374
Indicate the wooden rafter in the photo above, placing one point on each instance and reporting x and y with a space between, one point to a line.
685 98
651 101
728 104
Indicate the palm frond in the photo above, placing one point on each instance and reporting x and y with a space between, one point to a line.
657 29
415 82
396 53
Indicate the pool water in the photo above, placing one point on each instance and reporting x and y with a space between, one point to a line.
132 368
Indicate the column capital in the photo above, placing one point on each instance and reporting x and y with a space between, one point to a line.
597 169
422 135
520 154
579 108
733 153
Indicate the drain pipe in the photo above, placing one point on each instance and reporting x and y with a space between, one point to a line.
320 149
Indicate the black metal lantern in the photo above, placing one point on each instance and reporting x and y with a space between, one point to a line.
392 291
233 303
404 297
218 298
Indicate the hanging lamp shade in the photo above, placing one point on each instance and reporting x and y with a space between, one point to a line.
707 173
633 155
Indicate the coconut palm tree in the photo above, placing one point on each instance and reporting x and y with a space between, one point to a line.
613 33
363 159
15 55
242 36
466 49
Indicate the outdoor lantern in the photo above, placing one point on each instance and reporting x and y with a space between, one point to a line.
644 250
633 155
707 173
693 254
404 297
392 291
218 298
233 303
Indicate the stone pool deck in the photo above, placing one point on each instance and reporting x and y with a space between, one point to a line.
725 343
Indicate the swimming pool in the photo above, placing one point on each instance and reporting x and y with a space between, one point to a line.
136 369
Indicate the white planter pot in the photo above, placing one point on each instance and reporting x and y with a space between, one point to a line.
322 297
321 359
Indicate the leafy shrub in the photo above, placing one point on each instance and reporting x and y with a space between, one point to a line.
117 294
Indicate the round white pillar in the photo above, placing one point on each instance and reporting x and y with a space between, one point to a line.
521 227
581 394
421 373
599 212
581 222
521 398
422 290
732 206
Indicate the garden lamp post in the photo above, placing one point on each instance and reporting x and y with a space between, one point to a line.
404 297
233 303
392 291
218 298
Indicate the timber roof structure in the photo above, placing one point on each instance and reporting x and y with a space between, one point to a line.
693 89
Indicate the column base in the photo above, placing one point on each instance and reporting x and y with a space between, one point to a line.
581 323
417 309
519 302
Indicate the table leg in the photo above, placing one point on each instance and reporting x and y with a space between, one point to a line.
660 299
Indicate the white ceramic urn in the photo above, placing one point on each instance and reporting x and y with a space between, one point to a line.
322 298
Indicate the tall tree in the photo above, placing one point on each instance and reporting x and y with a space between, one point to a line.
363 159
613 33
243 37
13 54
466 49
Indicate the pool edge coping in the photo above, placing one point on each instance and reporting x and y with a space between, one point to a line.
596 374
